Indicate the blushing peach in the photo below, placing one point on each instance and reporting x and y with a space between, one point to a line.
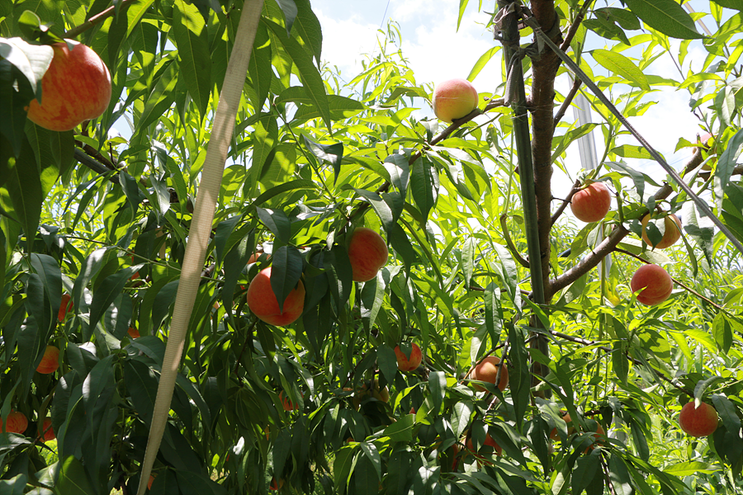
16 422
367 252
287 403
671 231
264 305
698 422
489 442
65 307
408 363
592 203
133 333
655 282
50 361
47 432
75 88
454 99
487 371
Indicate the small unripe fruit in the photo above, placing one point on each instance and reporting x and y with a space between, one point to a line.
75 88
16 422
487 371
671 231
698 422
655 282
454 99
592 203
367 252
408 364
264 305
50 362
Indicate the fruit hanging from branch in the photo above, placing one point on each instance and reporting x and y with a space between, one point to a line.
454 99
409 362
671 230
367 252
698 421
487 371
592 203
75 88
655 282
264 305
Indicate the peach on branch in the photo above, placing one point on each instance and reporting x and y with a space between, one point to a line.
655 282
411 362
488 442
50 361
133 333
47 432
698 421
286 402
591 203
264 305
487 371
75 88
65 307
671 231
16 422
454 99
367 252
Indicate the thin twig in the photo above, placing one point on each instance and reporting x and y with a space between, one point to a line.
575 25
96 19
509 243
566 202
568 101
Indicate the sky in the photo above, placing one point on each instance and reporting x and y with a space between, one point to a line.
437 51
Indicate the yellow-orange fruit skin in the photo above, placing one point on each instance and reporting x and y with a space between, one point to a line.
286 402
454 99
698 422
655 282
592 203
75 88
16 422
405 364
671 234
264 305
133 333
50 362
487 371
367 252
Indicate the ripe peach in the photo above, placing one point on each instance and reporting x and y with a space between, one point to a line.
64 307
487 370
264 305
367 252
655 282
592 203
47 432
286 402
698 422
276 486
50 362
16 422
408 363
133 333
671 231
454 99
75 88
150 481
489 442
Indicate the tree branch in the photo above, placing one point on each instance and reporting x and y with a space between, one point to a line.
575 25
590 261
509 243
568 101
96 19
566 201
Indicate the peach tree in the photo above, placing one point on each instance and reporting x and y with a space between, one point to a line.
130 242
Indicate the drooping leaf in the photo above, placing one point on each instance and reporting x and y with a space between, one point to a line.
666 16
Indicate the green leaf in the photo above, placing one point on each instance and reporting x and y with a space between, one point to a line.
482 61
190 35
387 362
332 153
25 191
619 475
399 170
402 429
437 387
308 73
141 383
586 469
196 483
31 60
722 332
72 478
108 290
277 222
731 4
561 143
667 16
691 468
462 7
726 164
307 26
286 270
621 65
424 183
727 412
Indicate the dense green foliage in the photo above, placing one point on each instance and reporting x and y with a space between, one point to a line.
311 159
